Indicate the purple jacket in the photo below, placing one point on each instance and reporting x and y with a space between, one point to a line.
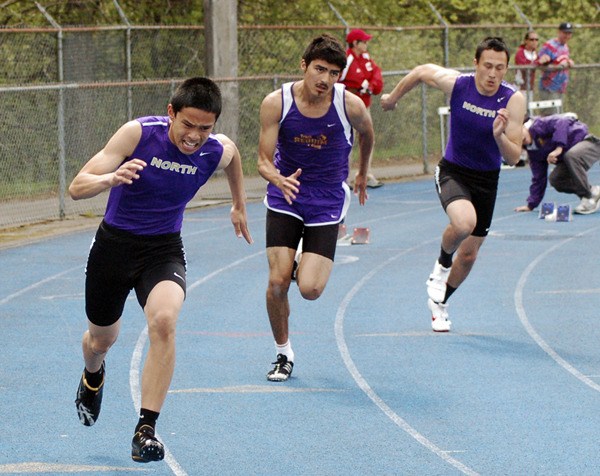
548 133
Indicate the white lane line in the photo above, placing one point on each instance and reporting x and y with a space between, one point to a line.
10 297
45 468
255 389
435 335
136 361
134 385
570 291
233 264
529 328
363 384
64 297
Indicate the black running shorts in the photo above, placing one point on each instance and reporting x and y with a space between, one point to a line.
453 182
120 261
285 230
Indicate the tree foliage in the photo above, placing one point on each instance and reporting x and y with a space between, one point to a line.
388 13
415 12
25 13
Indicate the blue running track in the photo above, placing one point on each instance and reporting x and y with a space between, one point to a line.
514 388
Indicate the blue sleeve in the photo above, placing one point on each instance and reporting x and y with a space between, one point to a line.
546 50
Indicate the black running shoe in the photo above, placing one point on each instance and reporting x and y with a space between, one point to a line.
294 270
282 370
145 447
89 400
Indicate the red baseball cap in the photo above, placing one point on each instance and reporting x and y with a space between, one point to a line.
357 35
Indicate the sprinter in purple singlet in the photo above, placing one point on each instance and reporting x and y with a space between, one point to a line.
153 167
486 118
305 141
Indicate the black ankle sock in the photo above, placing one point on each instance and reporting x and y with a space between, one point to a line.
445 259
449 291
94 380
147 417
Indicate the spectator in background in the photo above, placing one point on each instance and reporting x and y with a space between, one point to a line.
554 54
562 140
527 55
362 77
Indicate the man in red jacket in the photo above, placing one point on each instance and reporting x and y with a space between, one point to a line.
362 77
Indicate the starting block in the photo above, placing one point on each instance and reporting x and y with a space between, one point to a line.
556 213
547 209
343 238
564 213
361 236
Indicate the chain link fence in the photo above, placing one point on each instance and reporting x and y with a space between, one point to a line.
63 93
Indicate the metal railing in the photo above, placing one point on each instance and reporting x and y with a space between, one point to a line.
64 91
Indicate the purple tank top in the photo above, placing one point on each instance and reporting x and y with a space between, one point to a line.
319 146
154 204
471 143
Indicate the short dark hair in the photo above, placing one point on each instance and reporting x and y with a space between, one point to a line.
492 43
200 93
327 48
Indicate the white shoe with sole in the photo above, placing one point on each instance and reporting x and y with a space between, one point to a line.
436 284
439 316
587 206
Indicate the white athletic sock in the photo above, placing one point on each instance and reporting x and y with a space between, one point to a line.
285 349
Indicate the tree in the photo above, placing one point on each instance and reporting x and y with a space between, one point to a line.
390 13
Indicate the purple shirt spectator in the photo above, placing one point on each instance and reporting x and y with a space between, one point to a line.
548 133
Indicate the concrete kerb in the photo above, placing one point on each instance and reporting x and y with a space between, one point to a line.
11 236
